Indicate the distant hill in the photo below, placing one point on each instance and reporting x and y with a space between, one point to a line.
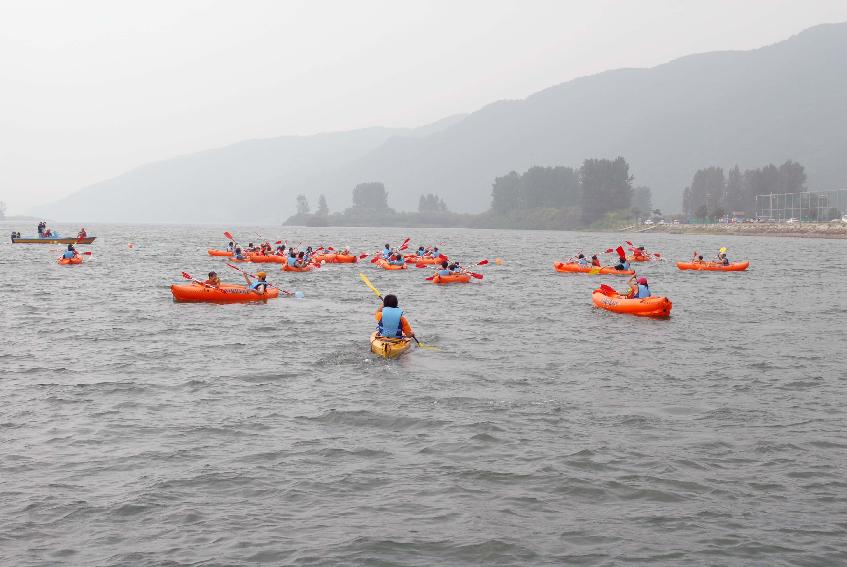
783 101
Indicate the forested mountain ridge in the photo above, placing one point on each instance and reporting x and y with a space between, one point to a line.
783 101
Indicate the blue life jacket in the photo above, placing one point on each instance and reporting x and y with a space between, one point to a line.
399 262
386 253
257 283
421 251
390 325
68 254
583 262
445 273
292 261
643 291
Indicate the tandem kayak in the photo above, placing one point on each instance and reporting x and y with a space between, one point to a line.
713 266
452 278
213 252
306 268
648 307
386 266
345 259
389 348
226 293
593 270
427 260
69 261
265 259
320 258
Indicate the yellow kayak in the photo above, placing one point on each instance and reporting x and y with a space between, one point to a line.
389 348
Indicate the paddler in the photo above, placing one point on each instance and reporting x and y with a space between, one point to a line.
260 286
623 263
82 233
301 260
390 320
582 261
397 260
638 288
214 280
231 246
292 258
386 252
722 257
70 253
595 261
421 251
445 269
238 254
434 252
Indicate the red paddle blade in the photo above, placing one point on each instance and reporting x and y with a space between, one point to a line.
477 276
628 242
657 255
607 290
278 242
363 255
420 265
228 236
330 248
621 252
430 278
187 276
609 250
86 253
374 259
482 262
405 242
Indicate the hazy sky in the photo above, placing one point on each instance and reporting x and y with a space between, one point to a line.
90 89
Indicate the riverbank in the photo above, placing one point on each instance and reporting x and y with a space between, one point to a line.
800 230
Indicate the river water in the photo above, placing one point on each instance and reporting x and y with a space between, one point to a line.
137 431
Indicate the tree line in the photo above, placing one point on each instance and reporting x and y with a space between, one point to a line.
712 195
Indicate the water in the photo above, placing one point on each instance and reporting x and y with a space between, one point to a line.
136 431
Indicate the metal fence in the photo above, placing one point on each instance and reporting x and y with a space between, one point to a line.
811 206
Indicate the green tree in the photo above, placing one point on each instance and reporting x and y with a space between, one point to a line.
505 193
323 208
606 186
302 205
370 195
431 203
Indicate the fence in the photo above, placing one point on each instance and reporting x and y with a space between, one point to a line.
812 206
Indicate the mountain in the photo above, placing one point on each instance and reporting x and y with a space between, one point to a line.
783 101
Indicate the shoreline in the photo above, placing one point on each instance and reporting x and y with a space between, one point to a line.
782 230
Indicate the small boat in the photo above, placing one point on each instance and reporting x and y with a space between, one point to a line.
573 267
213 252
87 240
385 265
225 293
713 266
452 278
389 348
656 306
69 261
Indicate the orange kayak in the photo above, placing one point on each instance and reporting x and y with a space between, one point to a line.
213 252
272 259
428 260
346 258
69 261
713 266
452 278
328 258
638 258
647 307
226 293
306 268
594 270
386 266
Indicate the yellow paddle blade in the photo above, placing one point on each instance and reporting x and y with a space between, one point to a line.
723 249
370 285
427 347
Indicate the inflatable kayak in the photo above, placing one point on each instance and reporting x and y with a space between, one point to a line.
263 259
594 270
389 348
428 260
328 258
647 307
452 278
226 293
346 259
638 258
213 252
306 268
713 266
386 266
69 261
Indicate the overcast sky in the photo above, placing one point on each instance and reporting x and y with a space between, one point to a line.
90 89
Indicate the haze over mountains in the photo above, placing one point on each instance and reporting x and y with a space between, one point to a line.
784 101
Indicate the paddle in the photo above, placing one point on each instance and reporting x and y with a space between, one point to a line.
204 284
368 283
607 290
283 291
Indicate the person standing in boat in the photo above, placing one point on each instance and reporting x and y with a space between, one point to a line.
82 233
41 226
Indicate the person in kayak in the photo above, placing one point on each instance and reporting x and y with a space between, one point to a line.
291 261
280 250
391 323
397 260
623 264
455 268
214 280
421 252
238 254
260 286
301 261
70 253
386 252
445 269
582 261
595 261
435 253
231 246
722 257
82 233
638 288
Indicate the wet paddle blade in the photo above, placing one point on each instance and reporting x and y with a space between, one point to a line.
368 283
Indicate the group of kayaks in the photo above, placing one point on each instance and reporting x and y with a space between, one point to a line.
606 297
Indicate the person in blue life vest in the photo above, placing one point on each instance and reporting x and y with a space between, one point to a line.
397 260
638 288
386 252
238 254
70 253
391 323
231 246
623 263
421 252
722 257
445 269
583 261
455 268
260 286
435 253
292 258
301 261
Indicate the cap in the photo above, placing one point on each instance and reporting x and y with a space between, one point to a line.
642 281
